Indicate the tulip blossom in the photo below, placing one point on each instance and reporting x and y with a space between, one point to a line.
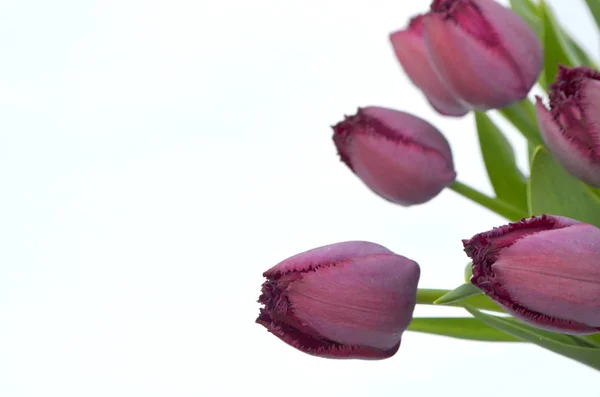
399 156
483 52
410 50
345 300
544 270
571 129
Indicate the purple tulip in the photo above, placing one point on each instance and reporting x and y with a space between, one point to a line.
571 129
345 300
485 53
410 50
544 270
399 156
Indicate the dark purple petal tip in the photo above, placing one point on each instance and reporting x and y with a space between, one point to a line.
517 266
399 156
345 300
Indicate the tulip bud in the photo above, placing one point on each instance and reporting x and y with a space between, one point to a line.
409 48
399 156
571 129
345 300
543 270
485 53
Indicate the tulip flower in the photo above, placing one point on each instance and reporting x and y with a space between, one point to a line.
484 53
544 270
571 129
399 156
345 300
410 50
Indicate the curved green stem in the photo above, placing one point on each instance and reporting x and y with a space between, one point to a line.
494 204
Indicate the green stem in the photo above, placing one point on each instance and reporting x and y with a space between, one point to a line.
494 204
428 296
522 116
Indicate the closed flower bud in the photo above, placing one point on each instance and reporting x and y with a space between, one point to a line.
399 156
485 53
544 270
571 129
345 300
409 48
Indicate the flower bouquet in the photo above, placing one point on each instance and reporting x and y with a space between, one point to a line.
535 279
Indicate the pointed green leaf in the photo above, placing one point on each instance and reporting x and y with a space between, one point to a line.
506 178
552 190
557 48
468 272
565 345
522 116
458 294
594 6
481 301
460 327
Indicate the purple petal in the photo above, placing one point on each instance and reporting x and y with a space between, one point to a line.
403 125
575 157
400 157
320 346
409 48
555 273
591 107
325 256
366 301
481 75
531 265
520 42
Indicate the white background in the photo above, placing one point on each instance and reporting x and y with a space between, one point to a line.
157 156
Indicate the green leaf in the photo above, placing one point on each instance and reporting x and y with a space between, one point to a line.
522 116
593 339
557 49
461 328
522 7
595 191
481 301
565 345
552 190
458 294
468 272
531 148
506 178
594 6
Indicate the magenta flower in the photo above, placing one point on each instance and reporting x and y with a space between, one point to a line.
345 300
571 129
485 53
544 270
399 156
410 50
